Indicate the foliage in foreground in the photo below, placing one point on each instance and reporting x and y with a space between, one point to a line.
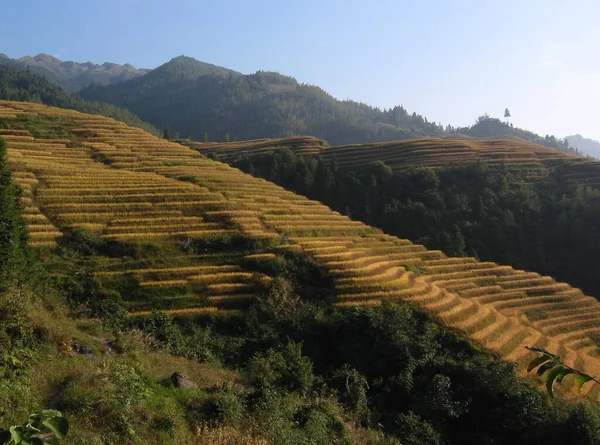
39 428
555 370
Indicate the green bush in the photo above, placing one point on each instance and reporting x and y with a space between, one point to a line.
228 406
287 369
40 428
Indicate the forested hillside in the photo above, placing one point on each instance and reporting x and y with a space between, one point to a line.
191 99
74 76
23 84
175 299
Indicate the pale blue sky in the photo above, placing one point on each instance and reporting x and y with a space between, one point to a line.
448 60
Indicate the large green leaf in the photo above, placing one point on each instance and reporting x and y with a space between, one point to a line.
17 433
48 413
545 367
582 379
543 351
58 425
560 377
551 377
35 421
537 362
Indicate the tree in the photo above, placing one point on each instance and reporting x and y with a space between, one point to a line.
506 114
166 134
205 138
227 137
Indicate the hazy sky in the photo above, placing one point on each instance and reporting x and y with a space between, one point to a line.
448 60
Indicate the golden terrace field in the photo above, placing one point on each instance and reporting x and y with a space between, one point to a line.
532 159
122 184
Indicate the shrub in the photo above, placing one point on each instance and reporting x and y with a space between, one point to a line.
228 407
287 369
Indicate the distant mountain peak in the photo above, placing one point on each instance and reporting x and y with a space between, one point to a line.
189 68
43 57
3 56
74 76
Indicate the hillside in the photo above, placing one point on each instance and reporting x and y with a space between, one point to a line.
510 202
534 161
74 76
498 306
586 146
192 98
24 85
260 279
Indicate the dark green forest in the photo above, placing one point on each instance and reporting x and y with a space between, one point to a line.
475 210
22 84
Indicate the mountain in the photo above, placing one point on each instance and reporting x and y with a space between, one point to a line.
586 146
74 76
22 84
290 322
193 98
205 102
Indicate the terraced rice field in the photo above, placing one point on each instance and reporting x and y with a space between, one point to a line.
125 185
227 152
534 161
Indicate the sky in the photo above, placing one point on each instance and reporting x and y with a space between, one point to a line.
450 61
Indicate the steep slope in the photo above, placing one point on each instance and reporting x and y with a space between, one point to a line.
24 85
126 186
534 161
192 98
74 76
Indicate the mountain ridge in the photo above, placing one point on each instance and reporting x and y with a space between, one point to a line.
17 83
74 76
186 96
